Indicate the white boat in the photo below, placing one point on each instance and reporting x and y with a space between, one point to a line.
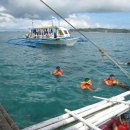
91 117
52 35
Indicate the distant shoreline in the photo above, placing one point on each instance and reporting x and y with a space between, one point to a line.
102 30
114 30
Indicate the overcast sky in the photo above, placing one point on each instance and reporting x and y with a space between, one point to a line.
19 14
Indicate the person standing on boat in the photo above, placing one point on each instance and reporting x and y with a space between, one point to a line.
57 71
55 35
86 84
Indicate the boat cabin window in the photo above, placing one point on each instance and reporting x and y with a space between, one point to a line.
65 32
60 32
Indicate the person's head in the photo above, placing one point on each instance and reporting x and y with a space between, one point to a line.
125 116
86 79
58 67
112 76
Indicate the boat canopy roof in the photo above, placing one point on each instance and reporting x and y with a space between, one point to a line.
46 27
50 27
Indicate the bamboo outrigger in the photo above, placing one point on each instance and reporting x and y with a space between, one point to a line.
89 117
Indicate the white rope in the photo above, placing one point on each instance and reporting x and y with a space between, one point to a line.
122 69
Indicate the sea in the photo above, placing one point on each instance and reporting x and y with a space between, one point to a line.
30 94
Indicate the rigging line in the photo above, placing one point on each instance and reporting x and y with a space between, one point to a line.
122 69
99 49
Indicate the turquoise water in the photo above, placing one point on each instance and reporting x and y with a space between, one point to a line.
31 94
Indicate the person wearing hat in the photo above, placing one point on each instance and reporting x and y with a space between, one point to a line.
86 84
57 71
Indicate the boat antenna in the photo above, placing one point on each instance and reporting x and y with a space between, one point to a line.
52 21
59 21
102 52
32 23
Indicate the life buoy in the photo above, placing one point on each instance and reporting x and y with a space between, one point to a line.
58 72
108 81
86 85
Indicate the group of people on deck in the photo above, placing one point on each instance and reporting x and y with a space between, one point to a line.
87 83
42 33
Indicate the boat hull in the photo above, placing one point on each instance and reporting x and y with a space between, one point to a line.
54 41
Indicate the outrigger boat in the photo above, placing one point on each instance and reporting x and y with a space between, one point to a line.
91 117
52 35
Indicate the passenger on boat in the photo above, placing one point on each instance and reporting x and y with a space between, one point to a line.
58 71
86 84
48 35
124 124
55 35
120 123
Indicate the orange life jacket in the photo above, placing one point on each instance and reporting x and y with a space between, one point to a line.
109 82
58 72
86 85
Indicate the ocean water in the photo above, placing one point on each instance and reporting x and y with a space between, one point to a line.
31 94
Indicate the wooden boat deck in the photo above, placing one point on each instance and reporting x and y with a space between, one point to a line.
6 123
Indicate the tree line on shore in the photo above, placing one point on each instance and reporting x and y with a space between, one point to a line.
102 30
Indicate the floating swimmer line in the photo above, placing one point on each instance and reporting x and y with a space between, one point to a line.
102 52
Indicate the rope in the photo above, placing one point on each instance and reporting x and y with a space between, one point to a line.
102 52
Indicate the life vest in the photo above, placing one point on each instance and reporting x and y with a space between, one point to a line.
58 72
109 82
86 85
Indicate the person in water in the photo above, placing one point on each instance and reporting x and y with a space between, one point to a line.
111 81
86 84
57 71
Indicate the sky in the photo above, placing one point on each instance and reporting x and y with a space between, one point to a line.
23 14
